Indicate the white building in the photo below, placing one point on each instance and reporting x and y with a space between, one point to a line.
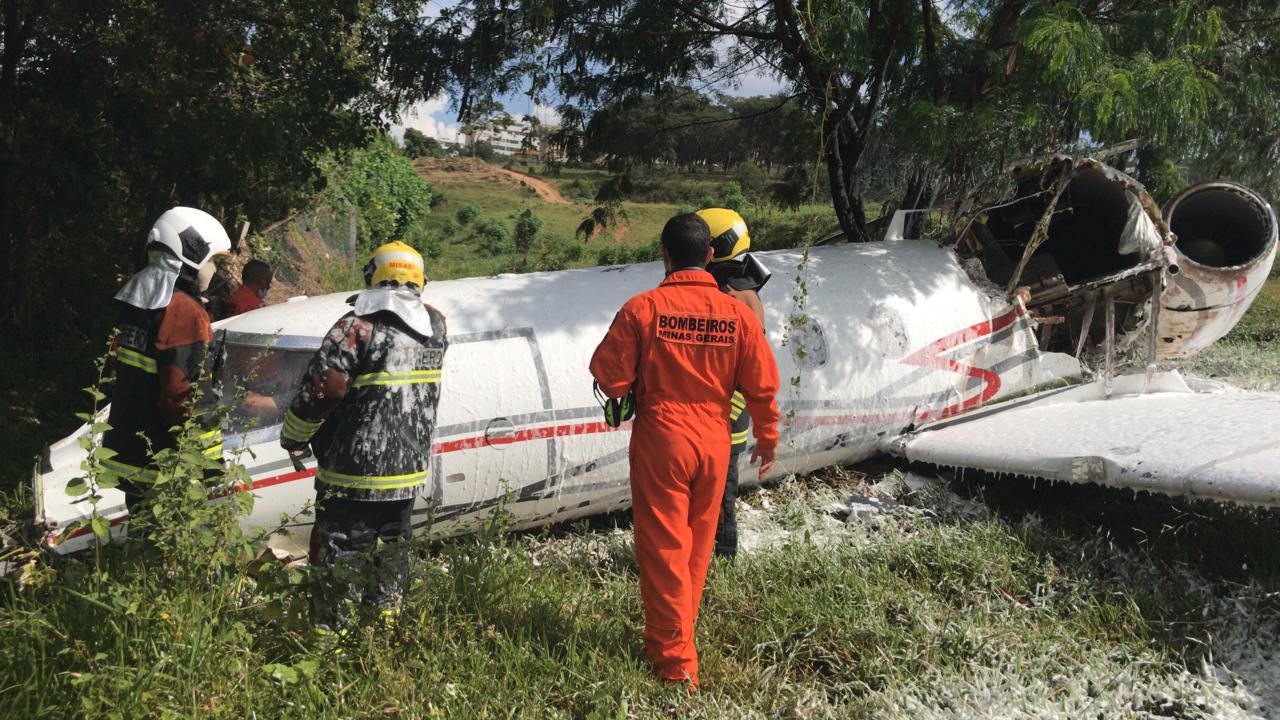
508 140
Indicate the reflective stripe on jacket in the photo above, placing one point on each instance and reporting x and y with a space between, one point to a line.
739 422
368 403
157 357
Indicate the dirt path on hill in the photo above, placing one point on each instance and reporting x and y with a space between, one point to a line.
542 187
443 172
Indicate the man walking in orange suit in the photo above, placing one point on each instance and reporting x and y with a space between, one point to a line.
684 347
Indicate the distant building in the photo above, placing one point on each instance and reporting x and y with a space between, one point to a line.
508 140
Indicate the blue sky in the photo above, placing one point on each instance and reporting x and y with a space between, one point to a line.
436 119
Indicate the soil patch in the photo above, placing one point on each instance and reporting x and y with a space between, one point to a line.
463 170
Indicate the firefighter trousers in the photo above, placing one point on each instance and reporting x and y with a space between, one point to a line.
676 485
727 529
360 553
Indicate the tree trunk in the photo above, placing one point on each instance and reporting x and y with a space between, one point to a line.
919 195
843 151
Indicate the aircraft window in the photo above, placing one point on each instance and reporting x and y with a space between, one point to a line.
258 383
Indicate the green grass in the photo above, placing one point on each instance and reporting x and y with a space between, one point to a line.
461 256
929 609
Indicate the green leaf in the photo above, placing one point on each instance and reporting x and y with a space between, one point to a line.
101 530
307 667
282 674
107 481
77 487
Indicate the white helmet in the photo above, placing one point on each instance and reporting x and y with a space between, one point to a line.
194 236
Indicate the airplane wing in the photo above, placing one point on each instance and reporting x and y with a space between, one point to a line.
1212 444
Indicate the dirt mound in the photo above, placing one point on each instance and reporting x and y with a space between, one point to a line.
443 172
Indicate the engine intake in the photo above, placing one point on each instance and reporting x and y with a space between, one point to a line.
1226 244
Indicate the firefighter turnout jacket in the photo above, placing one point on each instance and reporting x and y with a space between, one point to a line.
157 357
367 405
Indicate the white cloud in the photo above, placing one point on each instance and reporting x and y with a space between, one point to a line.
432 118
546 114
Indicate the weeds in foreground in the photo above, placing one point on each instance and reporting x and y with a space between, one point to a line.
928 612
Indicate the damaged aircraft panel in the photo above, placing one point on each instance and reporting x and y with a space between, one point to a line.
1160 436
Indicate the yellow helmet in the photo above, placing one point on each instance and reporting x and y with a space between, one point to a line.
729 237
397 262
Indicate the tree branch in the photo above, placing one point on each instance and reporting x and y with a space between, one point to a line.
728 29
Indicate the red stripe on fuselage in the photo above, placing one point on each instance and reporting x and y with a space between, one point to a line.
931 356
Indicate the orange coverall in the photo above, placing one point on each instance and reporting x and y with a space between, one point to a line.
684 346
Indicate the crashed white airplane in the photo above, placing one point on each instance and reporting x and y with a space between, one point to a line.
962 354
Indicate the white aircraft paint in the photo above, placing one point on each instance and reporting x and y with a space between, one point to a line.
870 339
1164 437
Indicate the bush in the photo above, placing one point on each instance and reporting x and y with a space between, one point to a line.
796 187
527 227
731 195
449 228
492 237
438 199
388 194
574 252
752 178
484 151
467 213
431 245
628 254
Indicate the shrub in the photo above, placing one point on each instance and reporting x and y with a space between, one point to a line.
574 252
731 195
527 227
449 228
492 237
430 244
467 213
388 194
752 178
628 254
484 151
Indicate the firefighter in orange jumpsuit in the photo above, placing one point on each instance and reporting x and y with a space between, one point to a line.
683 347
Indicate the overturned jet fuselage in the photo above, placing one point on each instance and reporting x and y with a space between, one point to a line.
873 341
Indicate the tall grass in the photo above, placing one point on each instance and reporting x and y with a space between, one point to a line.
927 610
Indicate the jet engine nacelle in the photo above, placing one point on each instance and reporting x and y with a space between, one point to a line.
1226 243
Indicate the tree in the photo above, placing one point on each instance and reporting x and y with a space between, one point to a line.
112 112
481 119
417 144
388 194
877 78
528 226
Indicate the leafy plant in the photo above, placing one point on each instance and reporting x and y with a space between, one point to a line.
492 237
388 194
467 213
528 226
